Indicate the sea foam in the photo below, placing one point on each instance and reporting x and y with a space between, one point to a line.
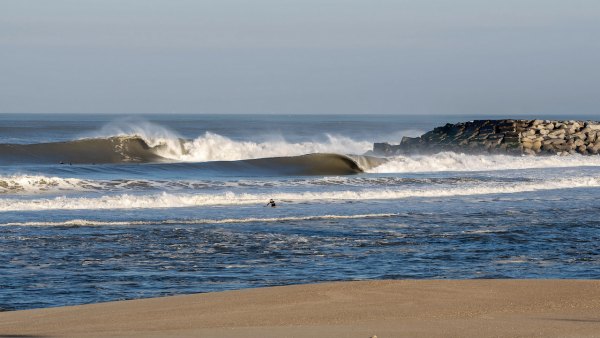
38 184
176 200
86 222
450 161
214 147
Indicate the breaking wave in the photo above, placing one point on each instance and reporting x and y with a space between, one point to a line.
144 142
214 147
136 150
180 200
148 143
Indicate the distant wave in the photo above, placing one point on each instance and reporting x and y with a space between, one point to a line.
100 150
278 157
145 142
84 222
214 147
175 200
133 149
450 161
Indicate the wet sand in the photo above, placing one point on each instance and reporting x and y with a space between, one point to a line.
408 308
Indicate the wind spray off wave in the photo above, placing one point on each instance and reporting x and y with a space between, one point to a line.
211 146
145 142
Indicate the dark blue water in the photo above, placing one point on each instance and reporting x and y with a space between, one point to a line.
88 233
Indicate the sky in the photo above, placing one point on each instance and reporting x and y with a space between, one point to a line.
300 57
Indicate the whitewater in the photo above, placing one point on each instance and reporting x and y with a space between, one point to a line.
99 208
170 200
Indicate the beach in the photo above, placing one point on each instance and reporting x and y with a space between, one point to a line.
444 244
401 308
299 169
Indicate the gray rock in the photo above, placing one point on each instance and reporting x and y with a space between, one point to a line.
503 136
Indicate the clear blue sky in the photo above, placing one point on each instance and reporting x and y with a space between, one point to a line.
305 56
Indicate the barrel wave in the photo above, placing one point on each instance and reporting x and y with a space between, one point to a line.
134 149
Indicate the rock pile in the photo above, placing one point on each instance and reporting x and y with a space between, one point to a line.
516 137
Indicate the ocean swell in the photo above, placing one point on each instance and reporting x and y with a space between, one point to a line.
116 149
134 149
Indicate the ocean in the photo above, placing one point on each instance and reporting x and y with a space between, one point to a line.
99 208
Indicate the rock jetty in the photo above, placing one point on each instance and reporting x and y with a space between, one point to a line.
515 137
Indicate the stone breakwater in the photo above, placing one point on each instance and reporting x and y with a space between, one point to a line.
515 137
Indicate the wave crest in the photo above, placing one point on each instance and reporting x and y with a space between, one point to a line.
214 147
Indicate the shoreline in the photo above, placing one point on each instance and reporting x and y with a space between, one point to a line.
386 308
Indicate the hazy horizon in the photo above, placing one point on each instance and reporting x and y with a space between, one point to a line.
464 57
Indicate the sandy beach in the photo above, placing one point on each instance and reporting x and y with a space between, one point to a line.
406 308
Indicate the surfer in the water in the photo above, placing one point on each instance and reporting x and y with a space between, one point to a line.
271 203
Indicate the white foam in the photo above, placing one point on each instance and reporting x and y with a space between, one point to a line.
38 184
215 147
172 200
84 222
27 184
449 161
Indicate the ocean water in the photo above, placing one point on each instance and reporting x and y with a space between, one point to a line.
100 208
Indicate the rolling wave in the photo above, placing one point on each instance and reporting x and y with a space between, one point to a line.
180 200
118 149
141 147
149 143
133 149
214 147
309 158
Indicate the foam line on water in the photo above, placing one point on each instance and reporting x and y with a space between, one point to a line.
84 222
174 200
39 184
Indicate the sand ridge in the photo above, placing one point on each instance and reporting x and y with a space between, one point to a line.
403 308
